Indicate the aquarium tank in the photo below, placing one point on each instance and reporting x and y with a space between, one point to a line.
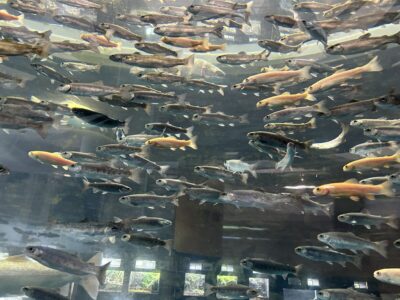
199 149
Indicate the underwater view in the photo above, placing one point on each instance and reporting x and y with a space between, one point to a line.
199 149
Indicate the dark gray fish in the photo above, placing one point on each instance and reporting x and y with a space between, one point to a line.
175 184
353 108
143 223
232 4
39 293
106 187
118 149
269 267
155 97
367 220
131 19
161 77
275 46
276 140
184 109
221 174
315 31
142 162
375 148
207 12
231 291
155 48
119 31
157 18
28 7
167 128
84 4
147 241
67 46
387 134
9 81
152 61
299 112
283 21
8 121
97 119
23 34
243 58
149 200
188 30
345 9
88 89
138 140
51 73
311 6
118 100
78 23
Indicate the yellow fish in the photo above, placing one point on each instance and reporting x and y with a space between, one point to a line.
373 162
172 143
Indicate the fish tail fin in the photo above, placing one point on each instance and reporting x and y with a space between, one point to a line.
91 285
209 108
305 73
386 189
189 61
163 170
148 108
313 123
193 143
244 119
104 9
222 46
208 289
169 244
397 156
21 19
373 65
244 177
43 49
396 37
327 208
86 184
249 6
175 201
189 132
309 97
381 247
321 107
101 275
264 55
126 124
136 176
47 34
253 172
392 222
218 31
247 17
357 261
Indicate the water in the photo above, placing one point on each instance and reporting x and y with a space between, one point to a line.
208 240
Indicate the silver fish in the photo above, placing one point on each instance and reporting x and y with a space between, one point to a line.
188 30
367 220
149 200
328 255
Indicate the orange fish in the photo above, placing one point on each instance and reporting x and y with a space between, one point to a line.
172 143
6 16
373 162
182 42
99 40
206 47
354 190
285 99
53 159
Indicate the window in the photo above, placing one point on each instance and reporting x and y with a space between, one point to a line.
312 282
261 285
361 285
227 268
194 284
115 262
114 281
145 264
144 282
226 279
195 266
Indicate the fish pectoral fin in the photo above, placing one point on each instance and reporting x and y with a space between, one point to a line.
370 197
183 148
342 263
355 198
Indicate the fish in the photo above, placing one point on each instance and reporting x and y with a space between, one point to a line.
315 66
78 23
8 121
73 66
137 140
205 85
167 128
313 207
287 160
99 40
282 21
4 170
285 99
354 107
23 34
372 180
203 194
374 163
298 112
340 139
182 42
367 220
275 140
69 263
347 8
106 187
9 81
172 143
337 294
118 100
6 16
396 243
53 159
149 200
232 4
207 12
207 47
136 160
390 275
275 76
178 11
42 293
155 48
147 241
220 173
328 255
363 44
349 241
10 48
79 157
88 89
84 4
156 97
176 185
311 6
374 148
315 31
276 46
269 267
354 190
295 39
292 126
242 58
26 112
161 77
98 119
231 291
104 171
239 166
118 149
68 46
152 61
143 223
157 19
18 271
131 19
188 30
51 73
33 105
120 32
184 109
221 119
371 123
29 7
389 133
342 76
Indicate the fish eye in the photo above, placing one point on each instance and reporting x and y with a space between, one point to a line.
320 293
397 243
31 249
378 273
197 168
341 217
159 181
298 249
99 148
224 194
392 176
321 236
368 130
140 74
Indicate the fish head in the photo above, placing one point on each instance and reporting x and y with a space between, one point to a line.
100 148
348 168
222 58
126 237
28 291
104 26
252 293
269 117
386 275
246 263
75 168
4 170
125 200
162 108
140 45
335 49
394 177
343 218
194 9
356 123
64 88
165 222
60 18
34 154
66 154
196 117
370 132
322 295
161 182
141 75
323 237
125 189
321 191
34 251
37 67
252 135
199 170
116 57
158 30
120 16
300 251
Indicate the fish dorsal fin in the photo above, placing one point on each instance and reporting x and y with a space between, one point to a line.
96 259
142 217
242 53
99 82
285 68
64 290
352 180
182 178
365 211
365 36
286 93
85 220
117 220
